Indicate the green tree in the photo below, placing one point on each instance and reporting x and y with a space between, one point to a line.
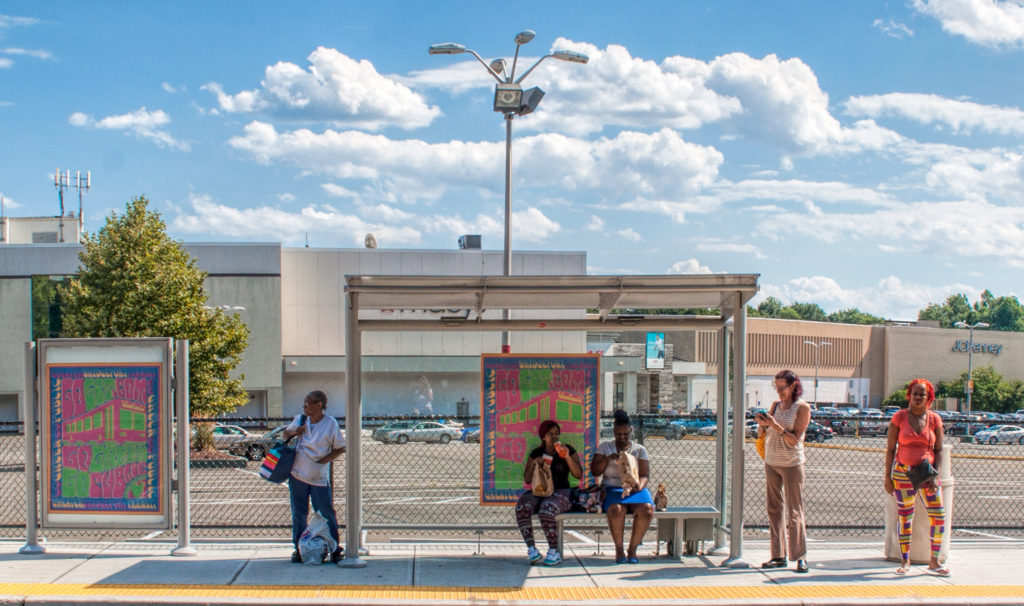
991 392
769 308
897 398
956 309
854 316
809 311
135 281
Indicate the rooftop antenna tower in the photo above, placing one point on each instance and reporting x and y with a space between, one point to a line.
62 182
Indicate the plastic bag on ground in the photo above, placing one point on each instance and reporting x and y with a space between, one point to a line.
316 543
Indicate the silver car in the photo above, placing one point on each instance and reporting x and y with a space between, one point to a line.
1001 434
425 431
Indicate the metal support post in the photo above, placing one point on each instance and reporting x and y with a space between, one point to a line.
181 408
28 413
739 381
353 425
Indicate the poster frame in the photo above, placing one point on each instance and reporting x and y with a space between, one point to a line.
591 415
152 352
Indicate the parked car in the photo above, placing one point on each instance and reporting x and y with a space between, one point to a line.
1001 434
859 427
256 446
423 431
960 429
816 432
607 430
471 434
654 426
379 433
227 436
871 412
711 430
750 429
692 424
890 411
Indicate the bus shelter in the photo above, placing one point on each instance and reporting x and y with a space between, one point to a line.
727 293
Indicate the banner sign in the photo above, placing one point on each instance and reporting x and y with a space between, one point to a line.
655 350
518 393
105 441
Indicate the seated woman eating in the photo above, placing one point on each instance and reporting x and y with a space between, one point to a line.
563 460
625 488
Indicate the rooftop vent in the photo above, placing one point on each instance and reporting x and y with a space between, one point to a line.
469 242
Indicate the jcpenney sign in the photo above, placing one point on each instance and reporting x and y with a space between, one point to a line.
965 345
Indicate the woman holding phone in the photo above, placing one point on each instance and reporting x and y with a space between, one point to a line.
783 428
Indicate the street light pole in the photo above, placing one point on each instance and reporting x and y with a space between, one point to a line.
511 100
969 386
816 347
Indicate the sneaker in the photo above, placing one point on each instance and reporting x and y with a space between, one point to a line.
296 557
336 555
552 559
534 555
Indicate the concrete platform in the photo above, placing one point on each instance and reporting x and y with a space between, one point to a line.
984 572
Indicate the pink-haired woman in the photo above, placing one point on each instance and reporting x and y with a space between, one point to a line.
915 434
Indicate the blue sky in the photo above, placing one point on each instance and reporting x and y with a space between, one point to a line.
855 154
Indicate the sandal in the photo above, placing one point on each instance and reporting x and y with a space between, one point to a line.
903 569
941 571
622 560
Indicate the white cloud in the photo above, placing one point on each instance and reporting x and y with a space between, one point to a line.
532 225
337 191
719 245
960 116
985 22
336 89
768 99
630 234
5 62
142 123
784 105
12 203
595 224
651 166
689 266
890 297
325 226
892 29
286 197
968 228
168 87
27 52
830 192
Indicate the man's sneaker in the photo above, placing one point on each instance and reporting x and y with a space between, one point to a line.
534 556
336 555
552 559
296 557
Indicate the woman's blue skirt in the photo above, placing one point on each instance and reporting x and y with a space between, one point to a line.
613 495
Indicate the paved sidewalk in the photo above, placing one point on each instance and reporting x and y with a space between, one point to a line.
984 572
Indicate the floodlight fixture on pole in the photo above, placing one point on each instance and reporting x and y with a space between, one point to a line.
817 346
510 100
969 385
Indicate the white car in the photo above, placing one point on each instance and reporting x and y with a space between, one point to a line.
426 431
1005 434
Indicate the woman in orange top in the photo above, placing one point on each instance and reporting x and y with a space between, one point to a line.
915 434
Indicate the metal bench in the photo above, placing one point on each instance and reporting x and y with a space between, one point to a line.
682 528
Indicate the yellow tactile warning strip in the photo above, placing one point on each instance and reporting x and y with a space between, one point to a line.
560 594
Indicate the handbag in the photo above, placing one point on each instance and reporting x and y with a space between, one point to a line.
277 464
922 473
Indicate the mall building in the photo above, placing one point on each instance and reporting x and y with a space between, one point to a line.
292 300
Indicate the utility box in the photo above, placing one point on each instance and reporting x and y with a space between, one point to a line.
462 408
469 242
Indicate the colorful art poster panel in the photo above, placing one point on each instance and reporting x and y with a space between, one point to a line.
104 439
518 393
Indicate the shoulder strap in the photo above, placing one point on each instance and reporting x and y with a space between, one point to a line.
775 405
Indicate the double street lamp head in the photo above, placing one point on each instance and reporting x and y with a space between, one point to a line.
975 325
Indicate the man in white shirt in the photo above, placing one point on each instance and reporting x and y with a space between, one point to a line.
320 442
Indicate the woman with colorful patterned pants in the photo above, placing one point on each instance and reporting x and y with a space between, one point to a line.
915 435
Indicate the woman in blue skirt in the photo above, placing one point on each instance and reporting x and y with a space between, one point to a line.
606 463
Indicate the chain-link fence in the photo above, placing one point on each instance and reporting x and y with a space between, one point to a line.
415 488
